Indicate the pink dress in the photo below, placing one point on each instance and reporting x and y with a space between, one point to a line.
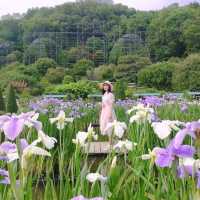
107 111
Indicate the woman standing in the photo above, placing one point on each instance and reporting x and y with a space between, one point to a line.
107 106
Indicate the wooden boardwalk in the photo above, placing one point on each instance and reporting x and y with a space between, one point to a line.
98 148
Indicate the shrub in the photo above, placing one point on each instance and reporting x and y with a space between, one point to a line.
2 104
104 72
68 79
55 75
157 75
77 89
11 104
186 74
81 67
129 92
11 58
43 64
120 89
36 90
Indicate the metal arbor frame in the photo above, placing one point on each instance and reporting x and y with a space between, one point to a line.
77 36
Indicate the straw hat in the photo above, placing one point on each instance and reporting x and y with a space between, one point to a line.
106 83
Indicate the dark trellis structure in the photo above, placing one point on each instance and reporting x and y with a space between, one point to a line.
50 44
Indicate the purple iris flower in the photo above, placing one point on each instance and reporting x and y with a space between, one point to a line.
6 147
190 129
23 144
184 107
52 106
5 175
83 198
3 172
6 178
184 170
152 101
127 103
13 127
3 119
154 117
166 156
171 97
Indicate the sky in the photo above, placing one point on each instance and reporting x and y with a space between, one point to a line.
21 6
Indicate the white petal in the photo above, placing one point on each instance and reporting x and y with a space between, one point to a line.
162 130
53 120
146 157
69 119
12 156
114 162
93 177
33 150
49 142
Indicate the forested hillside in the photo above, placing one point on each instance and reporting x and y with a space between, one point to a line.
87 40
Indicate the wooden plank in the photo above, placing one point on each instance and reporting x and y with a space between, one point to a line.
98 148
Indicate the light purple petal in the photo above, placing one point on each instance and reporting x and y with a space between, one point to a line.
184 151
193 126
3 172
3 158
3 119
181 172
164 158
5 181
198 179
36 124
27 115
180 136
8 147
184 107
13 128
23 144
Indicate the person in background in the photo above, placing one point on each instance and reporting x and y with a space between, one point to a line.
107 106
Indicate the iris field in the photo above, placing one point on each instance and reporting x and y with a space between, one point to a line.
154 154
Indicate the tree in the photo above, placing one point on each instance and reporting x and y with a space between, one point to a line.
11 104
94 43
186 74
40 48
2 104
81 67
68 57
126 45
158 75
96 1
191 35
128 67
165 35
120 89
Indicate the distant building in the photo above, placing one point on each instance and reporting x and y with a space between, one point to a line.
98 1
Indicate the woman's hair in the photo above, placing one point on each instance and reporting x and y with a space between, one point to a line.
109 90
